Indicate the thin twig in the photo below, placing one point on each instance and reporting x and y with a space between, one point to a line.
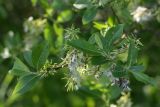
63 63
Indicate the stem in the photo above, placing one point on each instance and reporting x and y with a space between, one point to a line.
63 63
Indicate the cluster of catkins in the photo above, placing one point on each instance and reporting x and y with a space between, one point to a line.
77 69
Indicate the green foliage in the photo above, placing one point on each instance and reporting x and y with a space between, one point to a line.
112 35
98 60
64 16
25 83
133 51
19 68
84 46
138 68
144 78
28 58
39 55
80 4
99 41
34 2
115 91
89 15
37 58
95 43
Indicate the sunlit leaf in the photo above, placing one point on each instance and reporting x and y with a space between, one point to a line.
110 21
34 2
100 26
59 32
64 16
81 4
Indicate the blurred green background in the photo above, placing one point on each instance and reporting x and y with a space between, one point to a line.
23 23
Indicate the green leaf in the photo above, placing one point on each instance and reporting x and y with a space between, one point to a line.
34 2
104 81
84 46
91 39
48 34
110 21
89 15
138 68
144 78
119 71
98 41
118 33
28 58
125 15
112 35
100 26
40 54
81 4
26 83
44 3
98 60
132 53
58 29
115 92
19 68
64 16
